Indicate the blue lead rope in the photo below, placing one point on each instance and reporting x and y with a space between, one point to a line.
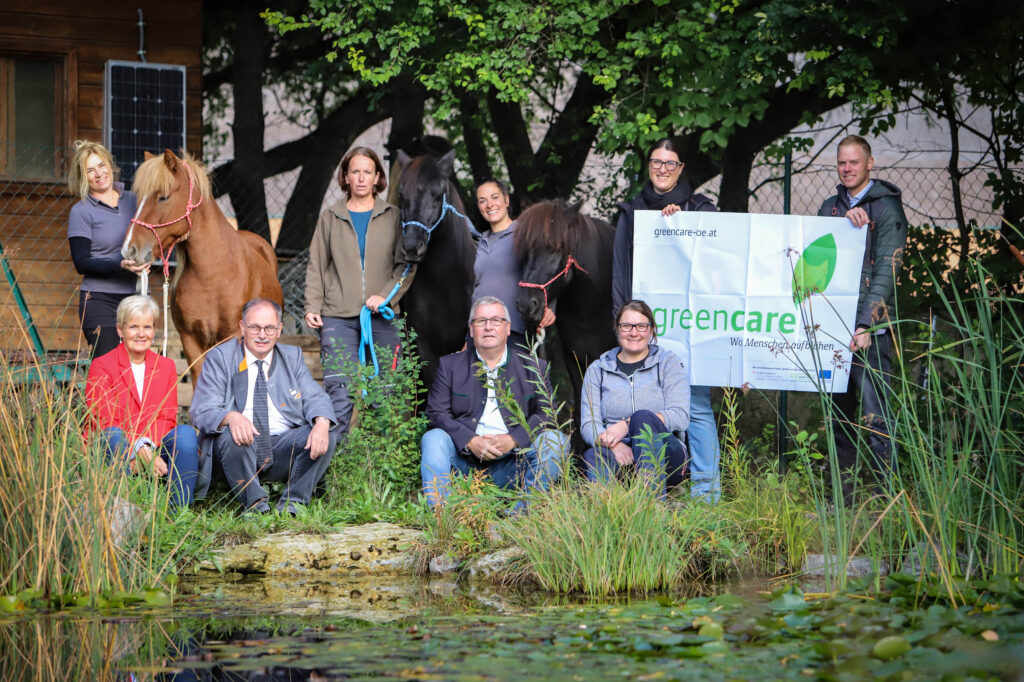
366 326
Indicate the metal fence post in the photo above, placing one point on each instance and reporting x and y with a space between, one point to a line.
782 435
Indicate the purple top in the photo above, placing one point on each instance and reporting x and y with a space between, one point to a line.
105 227
498 272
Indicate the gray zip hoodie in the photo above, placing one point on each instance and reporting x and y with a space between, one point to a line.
661 385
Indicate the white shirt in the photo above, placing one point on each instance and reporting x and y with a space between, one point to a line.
278 424
139 372
855 198
491 422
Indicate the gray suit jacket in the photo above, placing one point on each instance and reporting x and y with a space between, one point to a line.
223 383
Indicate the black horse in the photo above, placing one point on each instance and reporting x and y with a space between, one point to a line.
436 237
567 257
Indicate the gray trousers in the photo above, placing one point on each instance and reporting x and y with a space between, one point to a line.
862 418
290 463
339 343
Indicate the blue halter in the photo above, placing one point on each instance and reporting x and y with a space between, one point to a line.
445 208
365 325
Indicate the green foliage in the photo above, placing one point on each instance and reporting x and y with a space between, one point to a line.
375 472
603 538
466 524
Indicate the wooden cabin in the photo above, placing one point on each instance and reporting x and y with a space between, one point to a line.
64 67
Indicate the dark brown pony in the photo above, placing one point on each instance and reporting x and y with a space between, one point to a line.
436 237
566 257
219 267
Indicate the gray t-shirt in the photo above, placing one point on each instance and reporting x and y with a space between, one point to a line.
105 227
498 272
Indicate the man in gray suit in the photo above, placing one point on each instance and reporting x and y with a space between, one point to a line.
262 415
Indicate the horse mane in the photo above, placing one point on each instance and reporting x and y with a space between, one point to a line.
154 178
555 226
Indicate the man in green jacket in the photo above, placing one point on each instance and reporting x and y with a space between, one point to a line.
877 205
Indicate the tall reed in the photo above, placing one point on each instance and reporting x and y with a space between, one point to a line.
65 527
961 436
953 503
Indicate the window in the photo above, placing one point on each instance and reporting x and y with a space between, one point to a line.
31 116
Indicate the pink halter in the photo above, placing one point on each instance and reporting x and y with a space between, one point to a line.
569 262
189 206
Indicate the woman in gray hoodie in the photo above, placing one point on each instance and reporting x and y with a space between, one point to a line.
631 387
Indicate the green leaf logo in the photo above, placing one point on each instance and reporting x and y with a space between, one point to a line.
814 268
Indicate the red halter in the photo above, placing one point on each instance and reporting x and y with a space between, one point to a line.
189 206
569 262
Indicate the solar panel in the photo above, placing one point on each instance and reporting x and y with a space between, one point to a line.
144 111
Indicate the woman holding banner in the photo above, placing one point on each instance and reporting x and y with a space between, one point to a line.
635 397
667 190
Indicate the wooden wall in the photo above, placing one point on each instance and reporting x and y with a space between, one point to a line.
33 215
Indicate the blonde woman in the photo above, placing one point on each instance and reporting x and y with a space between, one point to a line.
96 228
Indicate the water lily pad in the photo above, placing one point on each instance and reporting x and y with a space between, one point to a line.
712 630
10 603
156 598
890 647
715 648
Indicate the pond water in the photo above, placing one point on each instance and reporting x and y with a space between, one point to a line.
413 629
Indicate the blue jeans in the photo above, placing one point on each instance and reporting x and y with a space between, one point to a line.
601 464
538 467
705 478
179 448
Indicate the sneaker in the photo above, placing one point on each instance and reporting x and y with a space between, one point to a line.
289 507
261 507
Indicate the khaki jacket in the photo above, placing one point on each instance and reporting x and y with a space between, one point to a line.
336 284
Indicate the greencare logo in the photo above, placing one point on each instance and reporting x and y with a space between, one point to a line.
814 269
811 275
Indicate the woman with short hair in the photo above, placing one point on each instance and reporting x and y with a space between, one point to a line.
635 398
132 394
96 229
355 259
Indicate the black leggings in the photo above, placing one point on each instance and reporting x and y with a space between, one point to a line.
98 312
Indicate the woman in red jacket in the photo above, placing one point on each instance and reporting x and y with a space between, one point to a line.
133 403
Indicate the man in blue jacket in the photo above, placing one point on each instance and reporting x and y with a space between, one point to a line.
472 425
876 204
262 415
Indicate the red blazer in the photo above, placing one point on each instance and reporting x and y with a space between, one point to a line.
114 400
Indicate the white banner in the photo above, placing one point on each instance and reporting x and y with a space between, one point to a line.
767 301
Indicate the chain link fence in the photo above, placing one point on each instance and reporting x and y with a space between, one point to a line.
33 234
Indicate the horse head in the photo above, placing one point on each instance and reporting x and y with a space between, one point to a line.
168 189
423 191
544 241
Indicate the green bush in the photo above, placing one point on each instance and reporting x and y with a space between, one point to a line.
375 471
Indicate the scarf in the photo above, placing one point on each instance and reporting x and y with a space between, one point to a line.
653 201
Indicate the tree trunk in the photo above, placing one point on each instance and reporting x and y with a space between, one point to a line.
322 152
245 184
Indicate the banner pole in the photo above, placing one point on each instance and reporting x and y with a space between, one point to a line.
783 435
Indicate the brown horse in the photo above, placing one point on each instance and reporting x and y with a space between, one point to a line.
219 267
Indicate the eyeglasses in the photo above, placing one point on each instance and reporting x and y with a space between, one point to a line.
639 326
670 166
484 321
269 329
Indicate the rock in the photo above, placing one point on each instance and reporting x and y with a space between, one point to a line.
443 564
371 549
856 567
497 562
126 520
914 564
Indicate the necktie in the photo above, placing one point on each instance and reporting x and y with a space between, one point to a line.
261 418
